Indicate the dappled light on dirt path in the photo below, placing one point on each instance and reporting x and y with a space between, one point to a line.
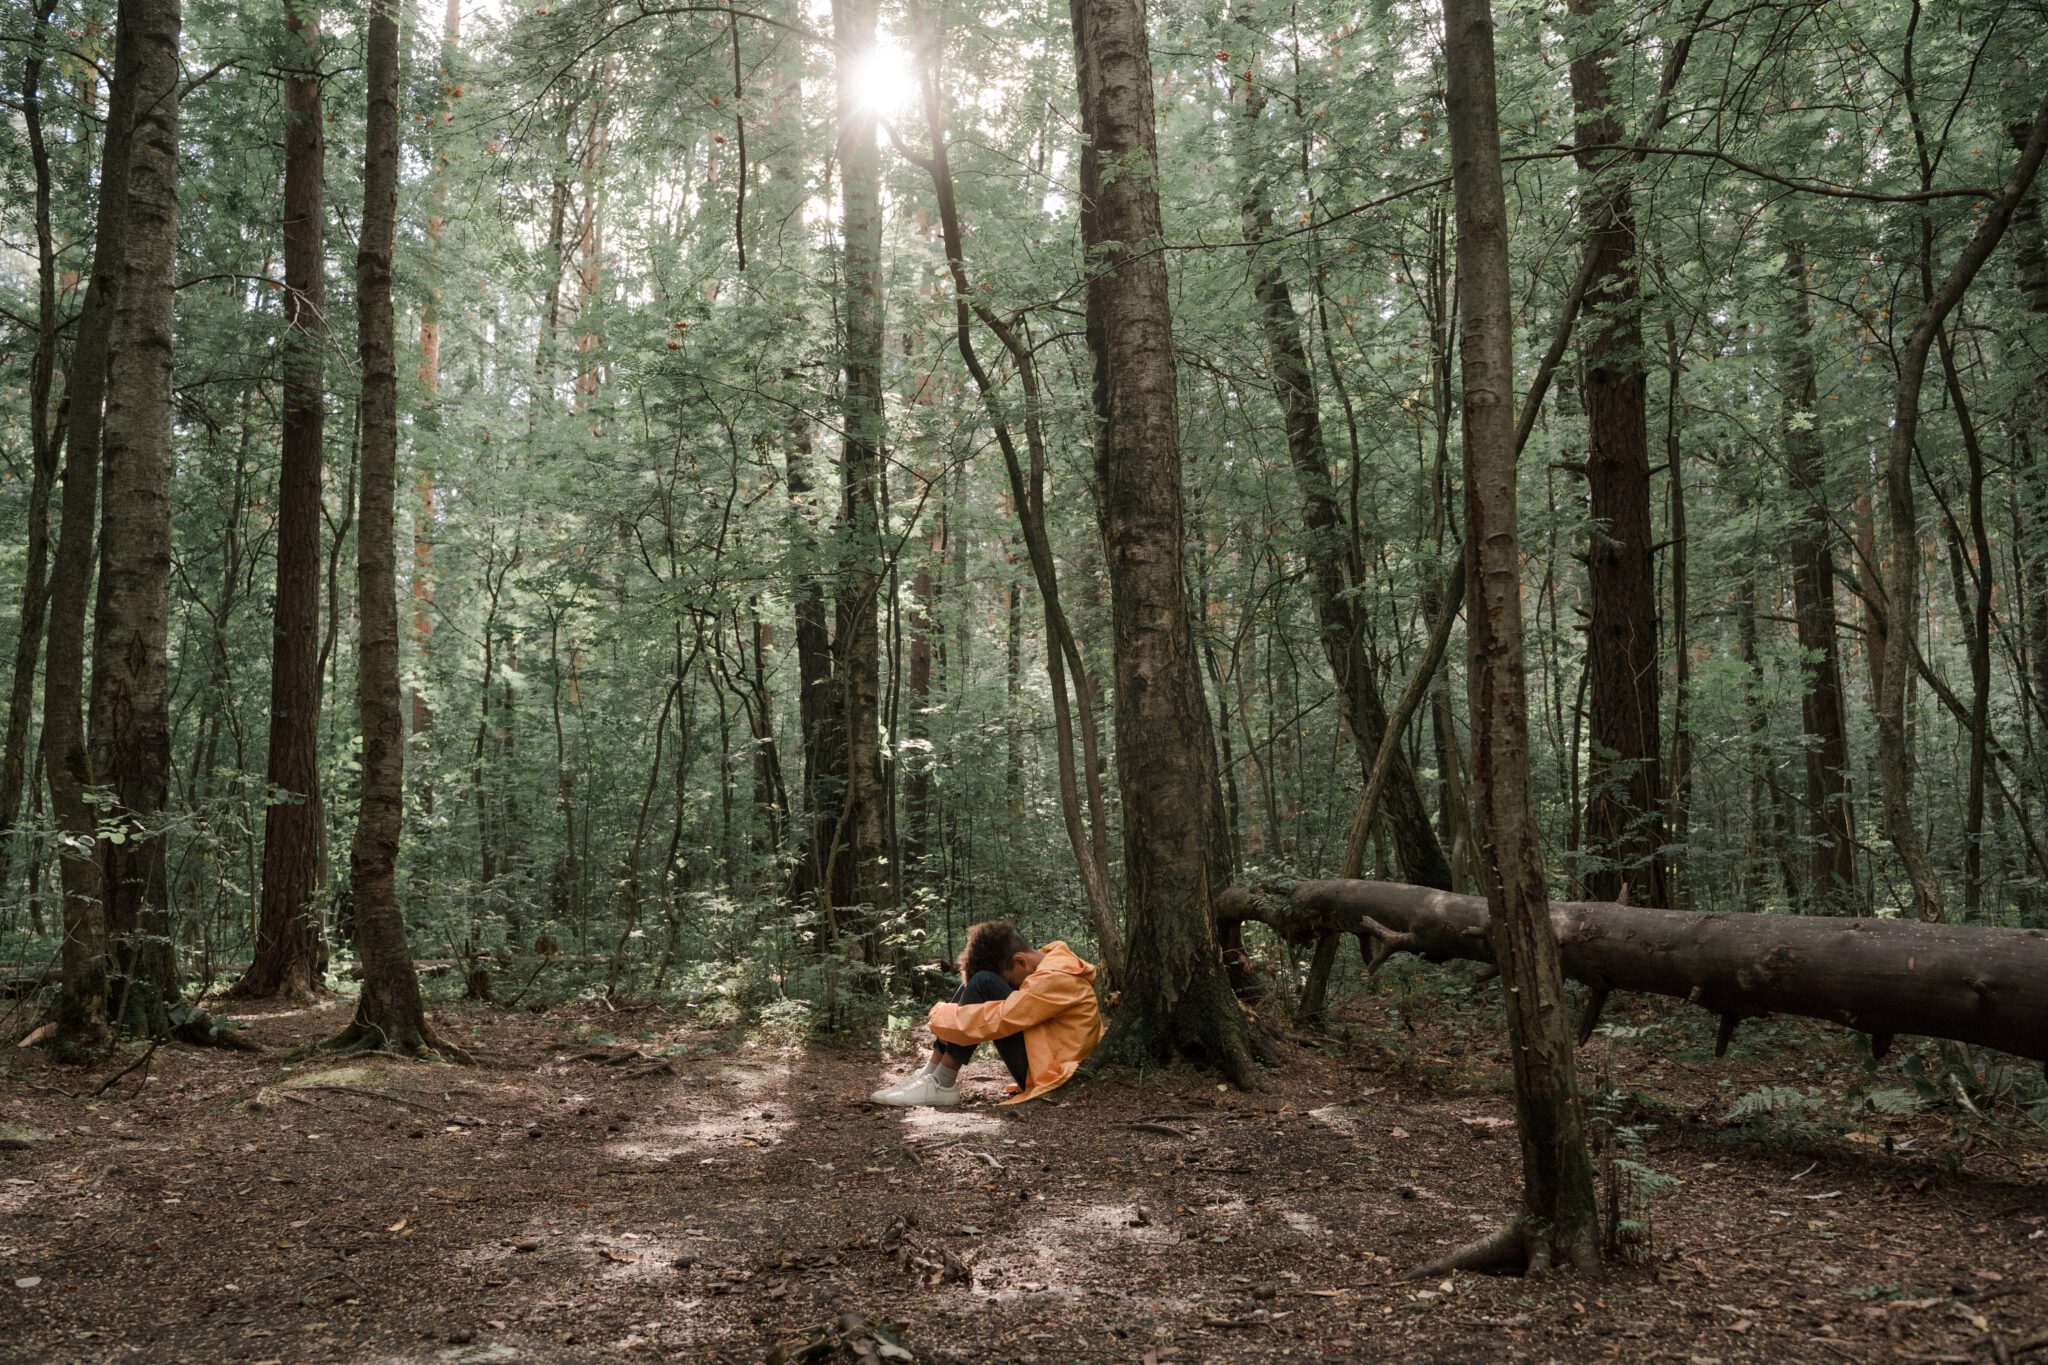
709 1201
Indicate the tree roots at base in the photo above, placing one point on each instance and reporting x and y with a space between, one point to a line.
1523 1247
360 1037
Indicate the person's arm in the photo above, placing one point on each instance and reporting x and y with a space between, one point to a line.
1039 999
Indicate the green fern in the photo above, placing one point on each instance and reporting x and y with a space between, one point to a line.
1895 1102
1771 1099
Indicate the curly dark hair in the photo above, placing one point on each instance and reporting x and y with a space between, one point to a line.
991 946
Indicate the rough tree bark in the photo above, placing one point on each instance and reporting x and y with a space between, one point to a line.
1883 978
2030 247
389 1014
44 447
861 875
1902 583
1559 1220
128 704
288 928
1176 997
1831 870
82 1027
1624 821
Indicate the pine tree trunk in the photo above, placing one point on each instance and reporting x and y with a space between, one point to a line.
1176 997
1624 821
82 1025
129 712
862 877
389 1014
289 936
1831 871
1559 1219
818 701
44 447
919 759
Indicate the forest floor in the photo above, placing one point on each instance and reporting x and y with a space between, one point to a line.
632 1184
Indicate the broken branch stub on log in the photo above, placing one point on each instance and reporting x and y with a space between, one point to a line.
1967 983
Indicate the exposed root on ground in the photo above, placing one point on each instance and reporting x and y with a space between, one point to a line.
360 1037
1524 1247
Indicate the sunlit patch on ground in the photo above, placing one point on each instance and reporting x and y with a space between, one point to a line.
1337 1116
17 1194
924 1125
753 1117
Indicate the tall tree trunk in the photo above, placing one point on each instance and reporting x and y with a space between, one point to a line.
1902 583
1831 870
44 444
1559 1221
1679 774
82 1030
2030 247
389 1014
129 710
288 925
919 759
1624 821
860 856
1176 997
1334 564
818 708
1090 840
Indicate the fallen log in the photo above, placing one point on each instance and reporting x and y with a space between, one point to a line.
1880 977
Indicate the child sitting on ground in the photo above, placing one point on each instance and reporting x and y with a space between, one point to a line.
1037 1005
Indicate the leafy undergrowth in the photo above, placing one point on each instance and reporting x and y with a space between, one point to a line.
627 1183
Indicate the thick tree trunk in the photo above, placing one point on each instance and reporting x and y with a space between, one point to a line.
1559 1220
1884 978
1176 997
82 1030
129 711
1902 583
1089 840
1333 559
1831 872
1624 819
863 878
289 937
389 1014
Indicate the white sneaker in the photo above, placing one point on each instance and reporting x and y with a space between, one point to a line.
917 1091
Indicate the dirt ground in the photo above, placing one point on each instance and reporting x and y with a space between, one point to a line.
625 1183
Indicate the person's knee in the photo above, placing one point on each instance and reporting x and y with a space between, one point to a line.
987 986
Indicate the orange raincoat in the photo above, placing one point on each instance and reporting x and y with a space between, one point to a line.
1054 1009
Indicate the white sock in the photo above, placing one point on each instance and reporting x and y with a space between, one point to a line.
946 1076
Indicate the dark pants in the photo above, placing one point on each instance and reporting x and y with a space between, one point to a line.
981 988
